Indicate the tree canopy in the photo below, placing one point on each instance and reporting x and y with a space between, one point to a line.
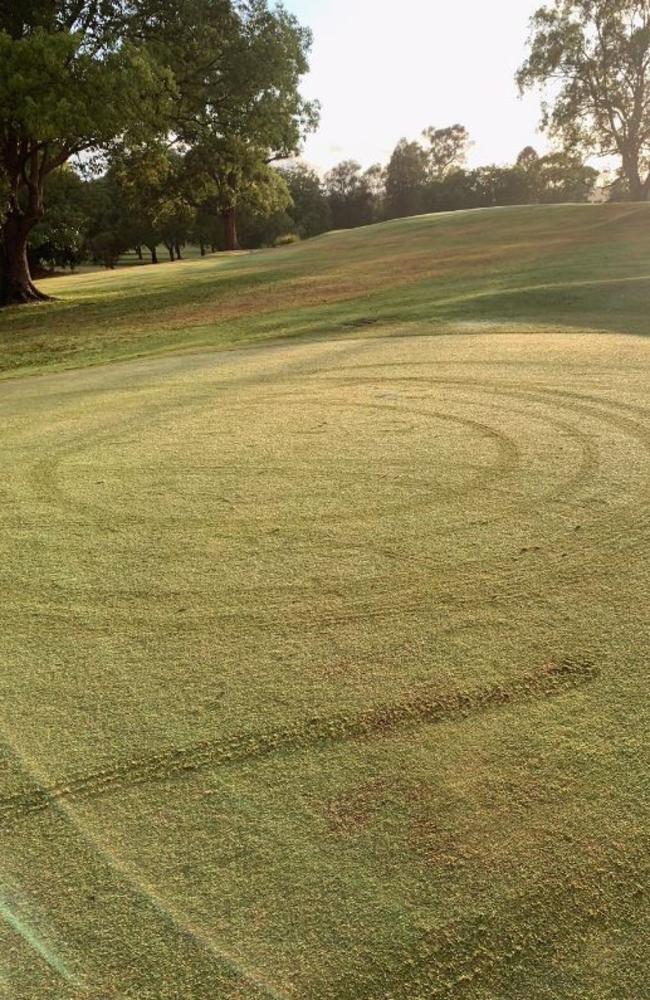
77 76
71 80
595 56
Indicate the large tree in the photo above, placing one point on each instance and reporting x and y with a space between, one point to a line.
71 80
558 177
595 56
231 175
241 107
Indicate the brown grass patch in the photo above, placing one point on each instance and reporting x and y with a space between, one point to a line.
340 284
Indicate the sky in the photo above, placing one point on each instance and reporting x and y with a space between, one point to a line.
383 70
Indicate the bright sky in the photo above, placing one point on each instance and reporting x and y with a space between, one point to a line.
383 70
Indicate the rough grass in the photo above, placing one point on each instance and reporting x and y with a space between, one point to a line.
324 663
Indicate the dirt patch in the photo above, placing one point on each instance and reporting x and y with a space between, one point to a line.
353 811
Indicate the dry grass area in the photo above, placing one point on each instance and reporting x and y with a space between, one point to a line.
325 662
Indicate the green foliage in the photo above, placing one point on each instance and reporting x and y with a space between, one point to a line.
58 240
155 194
246 110
563 177
309 209
446 150
350 196
71 80
406 180
595 57
59 96
110 229
221 78
432 179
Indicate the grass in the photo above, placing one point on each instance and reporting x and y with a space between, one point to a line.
577 266
324 659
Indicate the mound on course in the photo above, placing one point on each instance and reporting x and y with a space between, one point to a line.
324 658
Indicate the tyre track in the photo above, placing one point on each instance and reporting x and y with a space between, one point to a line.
46 474
426 707
589 406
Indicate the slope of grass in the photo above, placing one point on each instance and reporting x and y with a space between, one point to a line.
567 265
324 662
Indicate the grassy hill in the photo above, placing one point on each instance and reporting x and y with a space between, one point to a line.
324 658
585 266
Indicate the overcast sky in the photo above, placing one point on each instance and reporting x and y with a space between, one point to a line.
383 70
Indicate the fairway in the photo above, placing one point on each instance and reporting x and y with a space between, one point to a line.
324 629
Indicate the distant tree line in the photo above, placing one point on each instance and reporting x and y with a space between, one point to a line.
148 125
155 201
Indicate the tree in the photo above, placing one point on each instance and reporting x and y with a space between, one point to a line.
71 80
493 185
596 56
154 187
452 193
349 195
264 204
110 226
406 179
207 228
58 240
309 210
447 150
245 110
528 158
374 179
231 175
563 177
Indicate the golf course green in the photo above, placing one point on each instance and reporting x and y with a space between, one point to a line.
325 619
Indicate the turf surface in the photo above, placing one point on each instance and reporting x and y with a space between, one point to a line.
324 661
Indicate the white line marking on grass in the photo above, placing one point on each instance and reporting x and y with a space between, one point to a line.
22 928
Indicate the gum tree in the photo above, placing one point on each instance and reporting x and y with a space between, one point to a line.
446 150
246 111
594 55
71 81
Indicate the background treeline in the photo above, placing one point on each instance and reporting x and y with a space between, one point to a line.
153 201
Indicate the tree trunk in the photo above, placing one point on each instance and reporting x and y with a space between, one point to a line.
170 251
16 285
154 254
177 247
138 251
202 245
639 189
230 228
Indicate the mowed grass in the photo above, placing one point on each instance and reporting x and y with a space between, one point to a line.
582 265
324 660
